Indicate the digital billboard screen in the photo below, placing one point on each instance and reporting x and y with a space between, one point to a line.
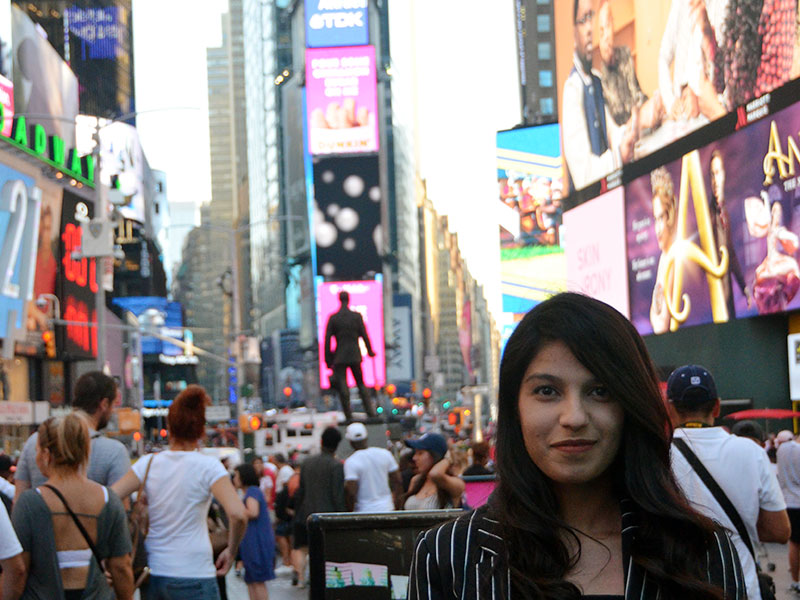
336 23
347 217
77 281
529 179
341 100
170 312
595 247
634 76
366 298
714 235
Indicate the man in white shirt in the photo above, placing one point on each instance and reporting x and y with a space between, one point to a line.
285 471
12 581
738 465
789 478
368 474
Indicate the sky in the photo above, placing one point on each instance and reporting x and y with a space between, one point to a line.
455 64
170 40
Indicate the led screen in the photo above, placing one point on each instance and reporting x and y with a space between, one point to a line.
596 260
342 100
714 235
633 76
170 312
336 23
366 298
529 211
347 217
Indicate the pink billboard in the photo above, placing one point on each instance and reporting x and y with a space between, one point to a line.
595 248
342 100
7 100
366 298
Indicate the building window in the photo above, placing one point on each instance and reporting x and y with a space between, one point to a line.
543 23
546 106
546 78
545 51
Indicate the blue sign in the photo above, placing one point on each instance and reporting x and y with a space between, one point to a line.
170 312
331 23
98 29
20 204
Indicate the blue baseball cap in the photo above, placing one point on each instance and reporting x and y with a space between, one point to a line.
691 377
432 442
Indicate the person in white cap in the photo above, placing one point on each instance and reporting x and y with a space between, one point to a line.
372 480
789 477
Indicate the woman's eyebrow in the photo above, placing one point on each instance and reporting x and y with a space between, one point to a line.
544 376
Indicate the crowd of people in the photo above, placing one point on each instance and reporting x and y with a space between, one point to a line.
603 489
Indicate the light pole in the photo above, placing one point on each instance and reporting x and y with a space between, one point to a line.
236 309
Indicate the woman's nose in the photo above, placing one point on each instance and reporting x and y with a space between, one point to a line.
573 412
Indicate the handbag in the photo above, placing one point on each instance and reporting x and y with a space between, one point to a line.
139 523
765 582
80 526
217 532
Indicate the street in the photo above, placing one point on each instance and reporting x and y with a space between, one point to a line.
280 588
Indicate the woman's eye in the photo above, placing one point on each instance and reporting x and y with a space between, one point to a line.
600 392
544 390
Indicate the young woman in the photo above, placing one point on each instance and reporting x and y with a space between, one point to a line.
436 482
179 486
258 546
57 557
585 505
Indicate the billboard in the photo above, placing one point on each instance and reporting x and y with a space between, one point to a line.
341 100
366 298
47 256
596 259
634 76
98 30
714 236
336 23
532 263
19 229
170 312
44 85
6 69
347 217
77 281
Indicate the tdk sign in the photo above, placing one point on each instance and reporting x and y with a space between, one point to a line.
331 23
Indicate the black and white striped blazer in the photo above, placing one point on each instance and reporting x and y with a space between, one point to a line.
466 559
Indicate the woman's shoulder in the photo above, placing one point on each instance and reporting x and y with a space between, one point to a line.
474 527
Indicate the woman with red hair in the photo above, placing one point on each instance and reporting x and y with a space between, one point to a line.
179 483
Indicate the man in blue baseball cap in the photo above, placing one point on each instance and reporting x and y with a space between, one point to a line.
739 467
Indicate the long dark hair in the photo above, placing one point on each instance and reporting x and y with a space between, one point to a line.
671 544
739 56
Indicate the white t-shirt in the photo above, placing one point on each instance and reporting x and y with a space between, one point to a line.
284 475
742 470
7 488
789 472
371 468
9 544
179 494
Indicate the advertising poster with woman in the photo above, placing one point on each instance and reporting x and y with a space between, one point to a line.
714 236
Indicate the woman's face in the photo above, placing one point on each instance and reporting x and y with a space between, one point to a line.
571 427
423 461
237 480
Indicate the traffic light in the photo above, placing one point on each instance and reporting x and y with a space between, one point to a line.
287 391
427 393
390 389
454 419
163 433
249 423
49 339
137 436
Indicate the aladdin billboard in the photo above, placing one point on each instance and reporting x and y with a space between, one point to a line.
714 235
366 298
341 100
634 76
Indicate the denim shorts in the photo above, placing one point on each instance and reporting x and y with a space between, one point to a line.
180 588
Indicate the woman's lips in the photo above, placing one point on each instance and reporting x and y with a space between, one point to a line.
574 446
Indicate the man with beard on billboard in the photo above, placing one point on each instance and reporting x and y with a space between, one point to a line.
594 145
721 228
